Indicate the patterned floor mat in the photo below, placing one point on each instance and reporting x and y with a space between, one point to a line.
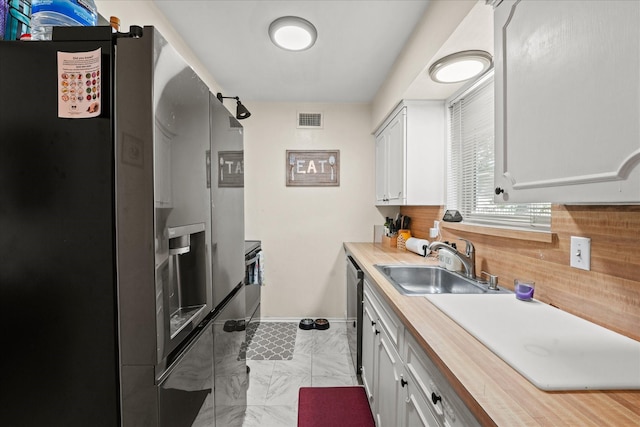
271 340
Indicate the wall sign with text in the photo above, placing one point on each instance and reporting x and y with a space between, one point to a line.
230 169
312 168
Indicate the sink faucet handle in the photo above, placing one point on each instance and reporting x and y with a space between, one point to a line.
493 280
469 247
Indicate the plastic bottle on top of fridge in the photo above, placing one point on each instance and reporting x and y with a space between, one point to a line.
114 21
4 9
46 14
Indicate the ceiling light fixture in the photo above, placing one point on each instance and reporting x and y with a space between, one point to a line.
460 66
293 33
241 110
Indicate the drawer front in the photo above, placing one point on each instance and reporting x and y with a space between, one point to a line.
421 371
418 411
444 401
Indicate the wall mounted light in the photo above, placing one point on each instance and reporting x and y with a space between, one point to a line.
293 33
241 110
460 66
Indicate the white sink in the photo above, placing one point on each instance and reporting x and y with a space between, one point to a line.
553 349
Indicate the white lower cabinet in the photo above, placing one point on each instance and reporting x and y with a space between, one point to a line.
387 385
381 362
369 338
403 385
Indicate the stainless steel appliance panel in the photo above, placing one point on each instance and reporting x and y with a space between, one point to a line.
230 367
253 279
227 201
181 196
134 204
355 296
161 129
185 392
182 281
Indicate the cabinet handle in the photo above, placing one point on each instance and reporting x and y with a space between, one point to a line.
435 398
499 191
403 382
207 162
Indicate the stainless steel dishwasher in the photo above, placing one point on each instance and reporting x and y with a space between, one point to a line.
355 278
253 282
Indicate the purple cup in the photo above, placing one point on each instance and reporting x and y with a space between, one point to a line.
524 289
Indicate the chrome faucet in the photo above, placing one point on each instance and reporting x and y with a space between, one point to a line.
468 259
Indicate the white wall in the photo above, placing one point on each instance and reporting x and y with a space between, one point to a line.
143 12
440 19
302 228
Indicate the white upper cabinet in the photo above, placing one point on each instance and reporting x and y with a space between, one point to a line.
410 155
390 162
567 78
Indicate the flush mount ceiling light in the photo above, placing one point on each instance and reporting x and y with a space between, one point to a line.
460 66
292 33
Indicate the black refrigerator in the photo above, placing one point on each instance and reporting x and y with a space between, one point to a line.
105 233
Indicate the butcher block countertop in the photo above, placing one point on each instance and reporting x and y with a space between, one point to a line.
496 393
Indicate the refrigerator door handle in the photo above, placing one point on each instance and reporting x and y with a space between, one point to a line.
208 165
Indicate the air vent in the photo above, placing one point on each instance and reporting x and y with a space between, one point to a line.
310 120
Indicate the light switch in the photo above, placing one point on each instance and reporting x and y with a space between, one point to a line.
581 252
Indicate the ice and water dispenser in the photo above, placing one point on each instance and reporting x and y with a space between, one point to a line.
183 285
187 274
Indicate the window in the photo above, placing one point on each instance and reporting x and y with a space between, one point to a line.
470 154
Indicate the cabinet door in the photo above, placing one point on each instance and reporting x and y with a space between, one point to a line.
567 101
368 349
396 158
387 382
381 168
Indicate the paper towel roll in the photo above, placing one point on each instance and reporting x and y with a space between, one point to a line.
417 245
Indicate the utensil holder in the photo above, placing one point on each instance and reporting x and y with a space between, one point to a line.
390 241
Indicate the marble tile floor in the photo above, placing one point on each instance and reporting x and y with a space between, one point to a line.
320 358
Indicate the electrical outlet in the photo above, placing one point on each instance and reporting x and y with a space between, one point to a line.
581 252
435 231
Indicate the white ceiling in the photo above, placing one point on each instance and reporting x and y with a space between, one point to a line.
358 42
475 32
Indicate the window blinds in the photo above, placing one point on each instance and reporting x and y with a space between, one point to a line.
470 187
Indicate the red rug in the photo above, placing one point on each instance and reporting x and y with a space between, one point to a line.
334 407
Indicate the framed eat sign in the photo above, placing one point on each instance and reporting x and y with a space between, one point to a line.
313 168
